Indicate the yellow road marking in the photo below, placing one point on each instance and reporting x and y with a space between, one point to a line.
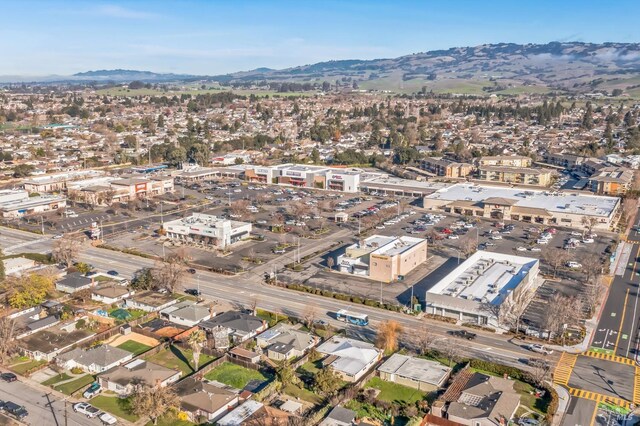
609 357
593 416
563 370
635 263
598 397
624 310
636 386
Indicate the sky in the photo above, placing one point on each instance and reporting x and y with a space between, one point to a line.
215 37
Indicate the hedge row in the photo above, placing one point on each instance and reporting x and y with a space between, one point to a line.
345 297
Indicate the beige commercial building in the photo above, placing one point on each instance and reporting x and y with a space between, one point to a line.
445 168
505 161
611 180
516 175
383 258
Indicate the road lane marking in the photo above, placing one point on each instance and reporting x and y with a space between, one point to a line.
609 357
563 370
636 386
635 263
598 398
624 309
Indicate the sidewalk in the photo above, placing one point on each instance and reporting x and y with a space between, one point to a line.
563 403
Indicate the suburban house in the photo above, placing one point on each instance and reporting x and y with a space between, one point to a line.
47 344
339 416
475 399
205 399
74 282
239 326
285 342
187 313
417 373
94 360
150 301
32 320
122 379
111 294
349 358
256 413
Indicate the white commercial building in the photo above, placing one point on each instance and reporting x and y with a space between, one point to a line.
533 206
476 291
208 230
16 204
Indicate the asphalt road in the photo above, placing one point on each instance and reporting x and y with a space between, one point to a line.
44 409
243 290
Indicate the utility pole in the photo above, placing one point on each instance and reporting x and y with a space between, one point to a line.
66 414
381 292
161 215
42 225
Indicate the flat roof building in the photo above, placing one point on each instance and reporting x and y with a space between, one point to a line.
208 230
18 203
417 373
478 287
534 206
383 258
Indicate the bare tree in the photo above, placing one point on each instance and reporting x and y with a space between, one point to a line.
330 262
514 307
66 250
7 339
592 292
309 314
591 266
588 223
562 311
540 370
196 339
153 402
555 258
168 275
387 337
450 350
468 246
421 338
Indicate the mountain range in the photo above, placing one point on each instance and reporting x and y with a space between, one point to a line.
566 66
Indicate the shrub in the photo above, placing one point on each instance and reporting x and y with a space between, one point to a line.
77 370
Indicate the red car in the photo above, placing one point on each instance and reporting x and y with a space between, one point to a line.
447 231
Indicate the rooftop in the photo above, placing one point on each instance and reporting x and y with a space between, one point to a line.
422 370
561 202
486 277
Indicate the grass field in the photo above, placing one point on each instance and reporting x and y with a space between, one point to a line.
55 379
22 368
304 394
171 420
234 375
75 385
392 392
179 359
134 347
117 406
270 317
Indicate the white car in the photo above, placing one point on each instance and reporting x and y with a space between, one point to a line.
496 237
535 249
453 237
587 240
521 249
87 409
108 419
380 227
573 265
542 241
541 349
576 234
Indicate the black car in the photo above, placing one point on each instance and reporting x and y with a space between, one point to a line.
191 270
8 377
113 273
463 334
15 410
193 292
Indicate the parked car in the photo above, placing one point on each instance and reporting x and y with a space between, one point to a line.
527 422
193 292
541 349
453 237
463 334
87 409
496 237
15 410
191 270
107 419
587 240
535 249
8 377
113 273
92 390
573 265
521 249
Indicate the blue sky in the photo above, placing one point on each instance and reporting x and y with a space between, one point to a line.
214 37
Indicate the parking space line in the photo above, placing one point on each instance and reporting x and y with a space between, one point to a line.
636 386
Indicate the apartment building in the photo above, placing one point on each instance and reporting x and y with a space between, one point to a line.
611 180
516 175
441 167
505 161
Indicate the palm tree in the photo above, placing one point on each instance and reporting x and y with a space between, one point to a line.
196 339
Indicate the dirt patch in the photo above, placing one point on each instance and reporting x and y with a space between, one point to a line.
120 339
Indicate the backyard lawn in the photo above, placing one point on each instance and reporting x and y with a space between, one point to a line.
117 406
134 347
270 317
304 394
75 385
55 379
392 392
171 420
179 359
234 375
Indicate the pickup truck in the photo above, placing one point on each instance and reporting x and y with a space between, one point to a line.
463 334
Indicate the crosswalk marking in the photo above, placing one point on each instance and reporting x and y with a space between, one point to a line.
636 386
563 370
598 397
609 357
